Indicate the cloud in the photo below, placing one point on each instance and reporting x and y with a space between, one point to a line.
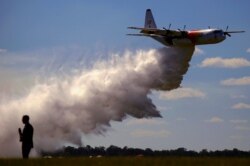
241 106
236 137
14 82
225 62
238 96
150 133
248 50
238 121
242 128
181 119
215 119
182 93
236 81
145 122
198 51
48 59
21 58
89 100
2 50
164 108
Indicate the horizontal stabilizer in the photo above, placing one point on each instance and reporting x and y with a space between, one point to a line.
146 29
135 28
138 35
149 35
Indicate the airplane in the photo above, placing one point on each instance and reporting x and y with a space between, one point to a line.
179 37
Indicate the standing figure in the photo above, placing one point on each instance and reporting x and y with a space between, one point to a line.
26 137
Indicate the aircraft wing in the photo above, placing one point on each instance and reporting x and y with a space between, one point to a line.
235 31
158 32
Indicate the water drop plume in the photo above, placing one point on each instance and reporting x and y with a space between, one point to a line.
61 110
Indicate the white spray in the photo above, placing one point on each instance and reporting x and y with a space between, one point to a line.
61 110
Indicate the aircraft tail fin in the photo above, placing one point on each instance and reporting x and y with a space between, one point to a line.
149 20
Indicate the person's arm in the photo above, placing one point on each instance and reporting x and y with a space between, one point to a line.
20 135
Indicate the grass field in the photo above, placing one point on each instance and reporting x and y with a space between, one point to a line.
129 161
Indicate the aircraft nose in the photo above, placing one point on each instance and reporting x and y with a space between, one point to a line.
223 36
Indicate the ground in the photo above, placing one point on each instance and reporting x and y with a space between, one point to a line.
131 161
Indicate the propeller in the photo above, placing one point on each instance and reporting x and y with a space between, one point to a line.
167 30
168 27
184 27
227 33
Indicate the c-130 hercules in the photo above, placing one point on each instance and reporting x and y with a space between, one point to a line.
180 37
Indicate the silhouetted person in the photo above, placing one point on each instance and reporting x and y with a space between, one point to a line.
26 137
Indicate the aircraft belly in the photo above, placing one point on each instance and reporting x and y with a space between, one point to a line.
182 42
173 42
209 39
202 41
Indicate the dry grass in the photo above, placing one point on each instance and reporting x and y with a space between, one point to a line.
129 161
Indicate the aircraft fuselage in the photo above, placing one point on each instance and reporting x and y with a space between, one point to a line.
194 37
170 37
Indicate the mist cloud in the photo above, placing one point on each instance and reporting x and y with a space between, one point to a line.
61 110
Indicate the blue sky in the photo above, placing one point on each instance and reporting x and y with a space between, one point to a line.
40 36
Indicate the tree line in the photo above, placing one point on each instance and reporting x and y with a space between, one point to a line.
127 151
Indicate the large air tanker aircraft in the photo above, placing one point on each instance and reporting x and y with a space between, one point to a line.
179 37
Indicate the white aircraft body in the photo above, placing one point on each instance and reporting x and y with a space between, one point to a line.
180 37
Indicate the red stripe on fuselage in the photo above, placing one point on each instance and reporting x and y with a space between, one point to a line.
193 35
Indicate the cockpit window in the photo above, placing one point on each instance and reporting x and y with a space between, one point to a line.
217 31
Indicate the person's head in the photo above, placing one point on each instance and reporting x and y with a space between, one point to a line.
25 119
